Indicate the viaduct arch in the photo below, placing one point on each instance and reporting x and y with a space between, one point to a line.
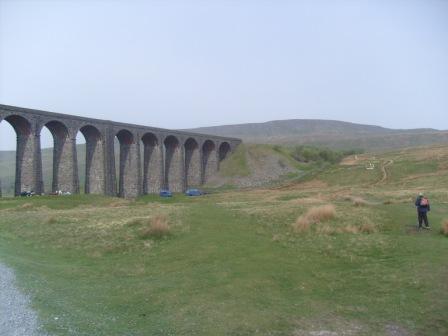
149 158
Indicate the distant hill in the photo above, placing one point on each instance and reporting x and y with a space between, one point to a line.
329 133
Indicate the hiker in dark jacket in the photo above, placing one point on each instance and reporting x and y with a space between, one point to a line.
422 204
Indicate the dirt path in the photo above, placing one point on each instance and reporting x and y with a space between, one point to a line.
384 171
16 316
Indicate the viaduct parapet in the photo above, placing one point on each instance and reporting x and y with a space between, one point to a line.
149 158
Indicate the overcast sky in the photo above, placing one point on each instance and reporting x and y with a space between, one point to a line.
181 64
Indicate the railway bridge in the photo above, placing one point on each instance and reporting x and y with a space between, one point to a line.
149 158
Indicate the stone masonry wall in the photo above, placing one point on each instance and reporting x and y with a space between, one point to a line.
128 185
174 168
26 179
152 168
94 183
192 167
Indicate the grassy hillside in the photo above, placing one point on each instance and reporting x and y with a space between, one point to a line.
329 133
7 171
335 252
257 165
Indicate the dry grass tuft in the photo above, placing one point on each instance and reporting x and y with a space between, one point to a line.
51 220
359 201
444 228
302 224
321 213
368 228
158 228
314 215
26 206
276 237
350 229
326 230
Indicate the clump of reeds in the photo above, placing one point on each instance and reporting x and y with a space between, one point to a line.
314 215
157 227
444 228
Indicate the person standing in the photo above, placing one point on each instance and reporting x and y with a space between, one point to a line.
422 204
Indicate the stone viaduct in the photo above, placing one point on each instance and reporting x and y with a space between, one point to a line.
149 158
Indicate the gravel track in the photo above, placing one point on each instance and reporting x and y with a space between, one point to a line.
16 316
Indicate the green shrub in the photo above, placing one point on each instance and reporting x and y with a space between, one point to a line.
305 153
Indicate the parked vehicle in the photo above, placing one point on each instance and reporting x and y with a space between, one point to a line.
165 193
194 192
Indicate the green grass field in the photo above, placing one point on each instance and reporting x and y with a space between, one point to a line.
232 264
